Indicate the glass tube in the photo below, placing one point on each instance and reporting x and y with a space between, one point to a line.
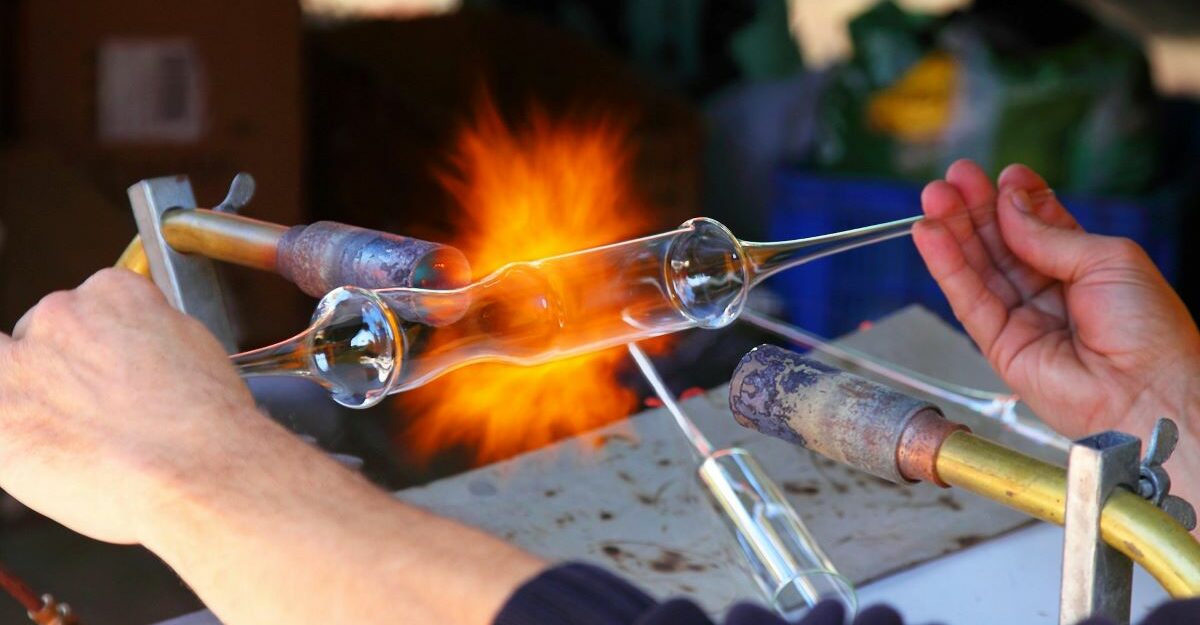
788 564
786 561
363 345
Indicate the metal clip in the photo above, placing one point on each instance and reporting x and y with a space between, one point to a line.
1154 483
188 281
1096 579
241 191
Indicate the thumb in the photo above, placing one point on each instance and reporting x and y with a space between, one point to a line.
1061 250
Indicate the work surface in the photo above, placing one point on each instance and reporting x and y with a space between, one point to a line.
626 497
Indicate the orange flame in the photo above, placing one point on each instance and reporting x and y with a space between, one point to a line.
548 188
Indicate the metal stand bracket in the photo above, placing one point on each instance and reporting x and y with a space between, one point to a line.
1096 579
189 282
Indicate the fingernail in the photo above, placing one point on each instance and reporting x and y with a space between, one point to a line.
1021 200
1041 195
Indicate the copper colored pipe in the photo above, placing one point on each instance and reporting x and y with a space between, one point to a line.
920 442
317 257
219 236
224 237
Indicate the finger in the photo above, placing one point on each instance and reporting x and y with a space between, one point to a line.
1021 177
972 183
980 197
1063 253
120 285
22 324
980 309
51 306
942 201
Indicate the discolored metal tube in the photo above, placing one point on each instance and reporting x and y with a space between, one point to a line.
922 439
318 258
834 413
325 255
224 237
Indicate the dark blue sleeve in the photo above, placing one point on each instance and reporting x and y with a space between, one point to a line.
576 594
582 594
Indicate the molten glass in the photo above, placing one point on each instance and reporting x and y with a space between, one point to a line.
364 345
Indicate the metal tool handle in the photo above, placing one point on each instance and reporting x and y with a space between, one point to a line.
787 563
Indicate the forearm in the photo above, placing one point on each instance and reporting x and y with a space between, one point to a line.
278 533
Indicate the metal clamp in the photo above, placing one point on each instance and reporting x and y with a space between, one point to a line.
1097 579
189 281
1154 483
241 191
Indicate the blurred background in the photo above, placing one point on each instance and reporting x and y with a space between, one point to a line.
521 128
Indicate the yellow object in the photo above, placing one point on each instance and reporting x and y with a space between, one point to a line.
219 236
134 258
1130 524
918 107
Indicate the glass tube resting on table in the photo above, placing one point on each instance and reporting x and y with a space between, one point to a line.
786 561
363 345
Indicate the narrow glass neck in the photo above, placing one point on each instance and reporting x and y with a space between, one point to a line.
283 358
768 259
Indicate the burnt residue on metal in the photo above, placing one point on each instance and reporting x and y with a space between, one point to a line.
837 414
325 255
753 402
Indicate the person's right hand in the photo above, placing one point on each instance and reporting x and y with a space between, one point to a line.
109 400
1083 327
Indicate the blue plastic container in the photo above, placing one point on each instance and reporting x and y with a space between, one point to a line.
834 295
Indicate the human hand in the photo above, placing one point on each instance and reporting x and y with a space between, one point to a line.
107 397
124 420
1083 327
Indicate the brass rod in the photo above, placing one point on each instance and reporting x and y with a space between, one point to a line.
1130 524
219 236
134 258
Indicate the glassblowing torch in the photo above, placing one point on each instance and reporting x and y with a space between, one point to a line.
318 257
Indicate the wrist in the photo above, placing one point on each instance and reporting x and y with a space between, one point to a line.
237 476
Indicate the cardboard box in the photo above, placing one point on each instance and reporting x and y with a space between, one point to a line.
130 89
